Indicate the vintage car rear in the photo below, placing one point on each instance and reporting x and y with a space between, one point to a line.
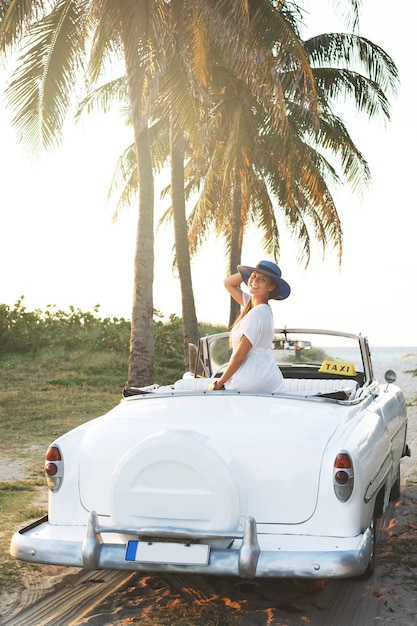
182 479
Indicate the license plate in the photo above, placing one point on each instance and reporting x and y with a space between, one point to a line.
169 553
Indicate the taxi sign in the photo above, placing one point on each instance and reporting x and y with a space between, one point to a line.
337 367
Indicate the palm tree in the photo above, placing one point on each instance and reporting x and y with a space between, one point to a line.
175 126
142 29
179 103
74 39
256 61
257 163
257 169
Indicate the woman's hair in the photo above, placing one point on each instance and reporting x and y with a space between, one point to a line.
243 312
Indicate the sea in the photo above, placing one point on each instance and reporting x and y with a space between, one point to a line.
401 360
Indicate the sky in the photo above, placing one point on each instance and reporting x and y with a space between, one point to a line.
59 245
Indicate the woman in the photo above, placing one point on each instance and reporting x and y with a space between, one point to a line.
252 366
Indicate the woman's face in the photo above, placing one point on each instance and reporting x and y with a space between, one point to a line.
260 285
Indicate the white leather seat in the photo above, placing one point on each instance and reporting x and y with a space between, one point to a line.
312 386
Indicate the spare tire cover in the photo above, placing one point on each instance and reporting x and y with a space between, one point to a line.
175 479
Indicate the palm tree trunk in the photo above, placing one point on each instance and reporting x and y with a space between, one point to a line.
190 327
236 240
142 343
142 347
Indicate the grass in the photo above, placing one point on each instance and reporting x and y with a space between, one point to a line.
42 397
16 508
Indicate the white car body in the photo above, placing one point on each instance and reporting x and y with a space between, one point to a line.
178 478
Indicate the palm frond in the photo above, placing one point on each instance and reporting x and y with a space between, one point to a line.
16 17
350 11
104 99
333 137
348 51
123 188
42 88
107 48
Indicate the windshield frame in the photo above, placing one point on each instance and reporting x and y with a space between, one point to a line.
206 366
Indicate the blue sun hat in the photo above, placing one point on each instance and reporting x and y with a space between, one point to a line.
282 290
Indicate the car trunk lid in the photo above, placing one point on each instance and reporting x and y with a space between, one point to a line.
248 455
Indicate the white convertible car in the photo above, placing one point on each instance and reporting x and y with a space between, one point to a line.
181 479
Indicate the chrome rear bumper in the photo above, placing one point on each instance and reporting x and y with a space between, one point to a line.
85 547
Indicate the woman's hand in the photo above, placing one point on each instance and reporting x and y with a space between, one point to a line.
232 285
215 386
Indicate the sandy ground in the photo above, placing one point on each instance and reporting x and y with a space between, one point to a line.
55 596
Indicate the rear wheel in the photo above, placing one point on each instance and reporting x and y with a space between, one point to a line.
396 488
371 565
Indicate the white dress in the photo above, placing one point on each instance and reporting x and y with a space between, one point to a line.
258 372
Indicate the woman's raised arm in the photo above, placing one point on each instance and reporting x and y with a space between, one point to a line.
232 284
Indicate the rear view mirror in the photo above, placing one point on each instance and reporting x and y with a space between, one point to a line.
390 376
286 344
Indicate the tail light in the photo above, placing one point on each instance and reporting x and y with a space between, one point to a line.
54 468
343 476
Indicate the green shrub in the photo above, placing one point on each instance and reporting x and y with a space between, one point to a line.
64 332
25 331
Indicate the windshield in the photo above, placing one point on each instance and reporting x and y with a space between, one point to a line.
294 350
314 350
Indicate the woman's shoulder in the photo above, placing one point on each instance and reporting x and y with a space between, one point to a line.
261 309
260 317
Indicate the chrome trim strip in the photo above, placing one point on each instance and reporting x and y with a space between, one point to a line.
378 479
